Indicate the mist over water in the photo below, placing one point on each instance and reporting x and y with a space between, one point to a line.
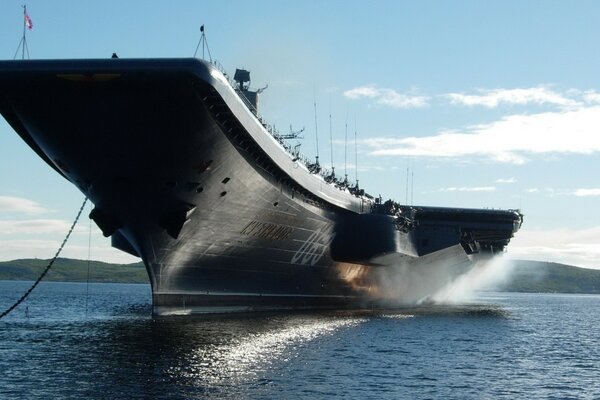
442 281
487 275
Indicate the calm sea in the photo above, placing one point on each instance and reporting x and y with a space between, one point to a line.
501 346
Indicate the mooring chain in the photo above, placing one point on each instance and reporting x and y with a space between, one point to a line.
11 308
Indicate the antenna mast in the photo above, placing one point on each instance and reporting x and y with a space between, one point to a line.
331 139
355 152
204 43
407 167
316 128
346 150
412 186
23 43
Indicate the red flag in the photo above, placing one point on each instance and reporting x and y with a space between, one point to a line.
28 22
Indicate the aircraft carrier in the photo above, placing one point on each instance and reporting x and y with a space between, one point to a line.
226 216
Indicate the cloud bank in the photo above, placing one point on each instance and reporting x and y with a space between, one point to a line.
20 205
36 226
488 98
579 247
493 98
587 192
512 139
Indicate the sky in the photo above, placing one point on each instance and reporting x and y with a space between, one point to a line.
491 104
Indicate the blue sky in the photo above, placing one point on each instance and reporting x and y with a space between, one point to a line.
490 104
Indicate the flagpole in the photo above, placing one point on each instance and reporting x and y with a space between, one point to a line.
24 31
23 41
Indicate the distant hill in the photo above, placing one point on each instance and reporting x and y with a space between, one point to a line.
70 270
543 277
528 276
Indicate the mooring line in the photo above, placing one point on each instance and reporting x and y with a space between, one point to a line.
28 292
87 280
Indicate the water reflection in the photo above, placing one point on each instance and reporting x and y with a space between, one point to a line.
118 351
209 355
230 356
248 356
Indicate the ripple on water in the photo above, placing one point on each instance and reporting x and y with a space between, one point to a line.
520 346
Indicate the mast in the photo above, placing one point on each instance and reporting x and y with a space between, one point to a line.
204 43
407 167
346 150
23 42
24 31
412 186
331 139
355 152
316 127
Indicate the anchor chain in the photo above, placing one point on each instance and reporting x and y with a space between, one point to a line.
28 292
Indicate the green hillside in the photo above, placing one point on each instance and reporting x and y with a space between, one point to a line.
69 270
541 277
528 276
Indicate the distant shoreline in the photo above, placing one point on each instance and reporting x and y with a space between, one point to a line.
527 277
71 270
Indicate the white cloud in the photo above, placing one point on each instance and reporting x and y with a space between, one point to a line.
506 180
362 91
591 97
587 192
18 204
36 226
493 98
549 192
40 238
569 246
470 189
511 139
387 97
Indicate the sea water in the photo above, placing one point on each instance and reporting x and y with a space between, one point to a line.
71 340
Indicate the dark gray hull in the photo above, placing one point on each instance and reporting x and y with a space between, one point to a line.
185 176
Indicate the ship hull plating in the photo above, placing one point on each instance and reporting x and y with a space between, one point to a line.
184 176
